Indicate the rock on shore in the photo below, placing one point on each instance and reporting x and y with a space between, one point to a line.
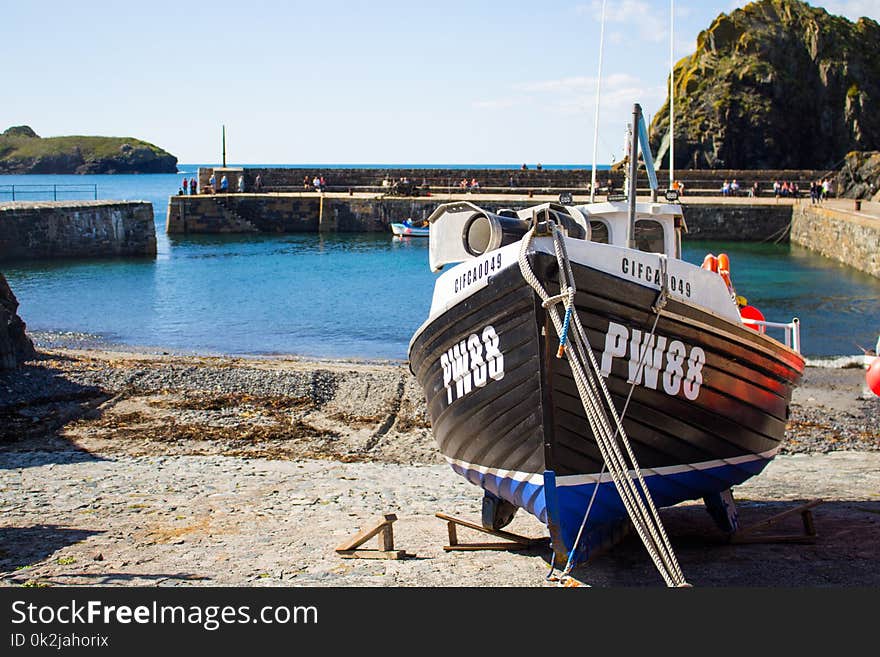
860 176
15 346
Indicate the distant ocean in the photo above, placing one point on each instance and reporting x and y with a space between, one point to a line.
346 296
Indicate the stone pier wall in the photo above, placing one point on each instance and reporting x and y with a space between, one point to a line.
737 223
843 236
847 237
87 229
276 213
290 180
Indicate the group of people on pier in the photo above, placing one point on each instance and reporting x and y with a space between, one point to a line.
189 187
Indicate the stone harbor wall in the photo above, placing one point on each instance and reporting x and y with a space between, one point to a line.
500 180
278 213
90 229
843 236
737 223
15 346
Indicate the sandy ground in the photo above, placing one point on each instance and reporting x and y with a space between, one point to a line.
141 469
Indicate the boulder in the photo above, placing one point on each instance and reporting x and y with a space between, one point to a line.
859 176
15 346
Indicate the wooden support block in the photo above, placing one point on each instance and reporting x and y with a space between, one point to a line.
515 541
349 549
750 534
373 554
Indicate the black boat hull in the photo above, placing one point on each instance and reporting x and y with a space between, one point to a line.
707 412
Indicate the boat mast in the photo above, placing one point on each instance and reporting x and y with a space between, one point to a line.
633 176
598 90
671 92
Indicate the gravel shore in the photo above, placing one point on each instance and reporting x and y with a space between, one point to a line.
150 469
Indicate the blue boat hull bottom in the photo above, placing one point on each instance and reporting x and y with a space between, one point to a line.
507 416
565 500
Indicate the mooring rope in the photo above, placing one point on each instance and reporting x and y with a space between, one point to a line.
598 405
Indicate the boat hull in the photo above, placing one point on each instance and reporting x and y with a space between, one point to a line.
402 230
707 413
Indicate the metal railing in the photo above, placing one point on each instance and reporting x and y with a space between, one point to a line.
792 330
29 192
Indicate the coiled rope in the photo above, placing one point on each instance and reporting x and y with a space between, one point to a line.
614 444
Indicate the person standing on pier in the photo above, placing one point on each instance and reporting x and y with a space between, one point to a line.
212 182
224 184
241 183
193 190
185 186
258 184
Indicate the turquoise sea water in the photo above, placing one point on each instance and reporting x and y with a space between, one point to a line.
358 296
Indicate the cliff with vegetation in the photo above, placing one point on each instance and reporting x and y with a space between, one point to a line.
24 151
777 84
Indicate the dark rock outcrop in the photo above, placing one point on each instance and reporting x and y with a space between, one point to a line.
23 151
15 346
777 84
860 176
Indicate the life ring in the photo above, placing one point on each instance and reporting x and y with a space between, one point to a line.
750 312
724 272
710 263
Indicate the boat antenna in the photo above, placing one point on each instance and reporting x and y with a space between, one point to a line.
671 92
598 91
633 176
224 146
638 137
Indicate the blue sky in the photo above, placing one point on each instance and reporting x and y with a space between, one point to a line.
349 82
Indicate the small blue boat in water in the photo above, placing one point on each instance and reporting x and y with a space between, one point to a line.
408 229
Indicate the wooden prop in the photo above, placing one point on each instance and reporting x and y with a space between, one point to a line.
749 534
515 541
349 549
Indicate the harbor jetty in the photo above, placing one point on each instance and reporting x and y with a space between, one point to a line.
82 229
369 200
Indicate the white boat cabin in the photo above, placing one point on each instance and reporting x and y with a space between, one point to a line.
461 231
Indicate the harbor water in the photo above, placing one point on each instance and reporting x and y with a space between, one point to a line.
346 295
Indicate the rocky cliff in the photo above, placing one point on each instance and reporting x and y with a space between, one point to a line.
15 346
777 84
23 151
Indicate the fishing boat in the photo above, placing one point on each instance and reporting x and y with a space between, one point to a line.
576 367
407 229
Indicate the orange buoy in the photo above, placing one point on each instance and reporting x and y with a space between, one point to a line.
723 262
750 312
872 376
710 262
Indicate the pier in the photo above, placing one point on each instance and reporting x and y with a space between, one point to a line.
81 229
366 200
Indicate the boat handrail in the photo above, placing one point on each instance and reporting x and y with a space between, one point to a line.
792 330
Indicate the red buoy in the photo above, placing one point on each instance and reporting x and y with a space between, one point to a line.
750 312
872 377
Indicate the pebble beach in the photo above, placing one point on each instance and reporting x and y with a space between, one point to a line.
152 469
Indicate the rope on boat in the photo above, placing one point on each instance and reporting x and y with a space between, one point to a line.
614 445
